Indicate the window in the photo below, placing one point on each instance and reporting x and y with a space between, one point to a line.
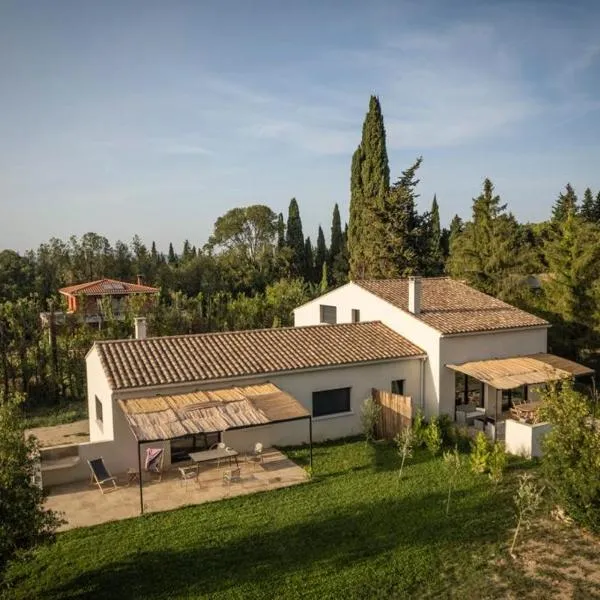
468 390
398 386
355 315
99 415
328 314
331 402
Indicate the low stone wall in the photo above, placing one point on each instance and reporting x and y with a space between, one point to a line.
525 439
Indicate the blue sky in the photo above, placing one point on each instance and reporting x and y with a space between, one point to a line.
157 117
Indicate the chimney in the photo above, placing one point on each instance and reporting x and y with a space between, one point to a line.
139 279
414 295
140 328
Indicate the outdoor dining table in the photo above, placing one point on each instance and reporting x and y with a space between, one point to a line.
216 454
528 411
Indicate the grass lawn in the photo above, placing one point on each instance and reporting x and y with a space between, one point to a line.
355 531
47 416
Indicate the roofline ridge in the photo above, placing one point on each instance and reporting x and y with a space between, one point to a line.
238 331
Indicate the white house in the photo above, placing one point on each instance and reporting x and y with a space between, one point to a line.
436 340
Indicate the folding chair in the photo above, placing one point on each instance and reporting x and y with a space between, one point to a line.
154 461
100 474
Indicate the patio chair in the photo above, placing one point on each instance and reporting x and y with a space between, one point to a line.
101 475
232 476
256 456
154 461
188 473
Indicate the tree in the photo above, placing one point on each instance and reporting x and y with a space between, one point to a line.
324 284
321 253
280 231
487 252
338 250
452 462
25 522
435 258
171 257
565 204
571 459
369 183
405 441
294 238
527 499
248 232
309 261
588 206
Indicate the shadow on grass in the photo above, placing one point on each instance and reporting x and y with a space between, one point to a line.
331 541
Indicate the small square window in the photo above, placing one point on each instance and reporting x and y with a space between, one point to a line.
398 386
355 315
328 314
99 415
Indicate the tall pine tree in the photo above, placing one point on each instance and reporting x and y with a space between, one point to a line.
280 231
565 204
338 261
369 184
588 206
309 261
294 239
435 258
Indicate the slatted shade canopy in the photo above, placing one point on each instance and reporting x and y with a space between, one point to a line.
509 373
209 411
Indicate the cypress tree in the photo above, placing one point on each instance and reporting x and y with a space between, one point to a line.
153 252
436 250
337 267
596 212
565 204
321 253
369 183
172 258
588 206
309 261
324 285
294 238
280 231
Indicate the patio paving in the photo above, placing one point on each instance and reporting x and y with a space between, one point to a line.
83 505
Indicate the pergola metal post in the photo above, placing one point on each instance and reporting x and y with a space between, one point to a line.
140 477
310 442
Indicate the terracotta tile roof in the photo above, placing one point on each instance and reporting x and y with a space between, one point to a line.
451 306
109 287
213 356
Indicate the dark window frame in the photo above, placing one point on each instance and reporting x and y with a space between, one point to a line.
322 315
463 390
398 386
342 400
356 315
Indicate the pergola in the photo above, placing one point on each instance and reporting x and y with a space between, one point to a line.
170 417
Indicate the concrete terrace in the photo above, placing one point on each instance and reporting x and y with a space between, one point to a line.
83 505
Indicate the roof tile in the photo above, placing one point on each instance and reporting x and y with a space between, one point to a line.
451 306
210 356
109 287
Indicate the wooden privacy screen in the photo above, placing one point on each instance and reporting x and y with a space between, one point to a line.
396 413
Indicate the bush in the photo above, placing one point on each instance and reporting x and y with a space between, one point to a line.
571 460
418 428
433 436
369 417
497 460
480 453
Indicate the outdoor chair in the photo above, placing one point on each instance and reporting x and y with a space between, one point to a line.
232 476
154 461
256 456
101 475
188 473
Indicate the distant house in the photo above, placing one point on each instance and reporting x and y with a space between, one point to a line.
87 300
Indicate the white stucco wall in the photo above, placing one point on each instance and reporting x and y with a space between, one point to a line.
373 308
463 348
97 385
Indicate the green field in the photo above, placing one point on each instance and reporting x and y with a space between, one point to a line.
354 531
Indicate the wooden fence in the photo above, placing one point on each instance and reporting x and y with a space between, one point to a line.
396 413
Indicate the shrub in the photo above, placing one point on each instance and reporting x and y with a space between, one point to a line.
447 430
433 436
418 428
452 461
497 460
480 453
527 499
571 460
369 417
